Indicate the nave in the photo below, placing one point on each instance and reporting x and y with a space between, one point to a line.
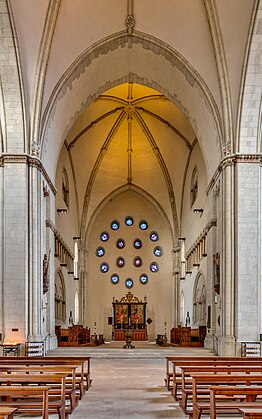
128 383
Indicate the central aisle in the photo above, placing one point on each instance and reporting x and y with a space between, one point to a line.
128 383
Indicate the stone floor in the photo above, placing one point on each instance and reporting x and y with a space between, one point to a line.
128 383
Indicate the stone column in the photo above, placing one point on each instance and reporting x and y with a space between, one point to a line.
248 301
35 261
226 343
15 249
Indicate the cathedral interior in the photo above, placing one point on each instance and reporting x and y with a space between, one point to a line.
131 169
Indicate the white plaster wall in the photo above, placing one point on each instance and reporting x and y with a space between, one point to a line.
100 291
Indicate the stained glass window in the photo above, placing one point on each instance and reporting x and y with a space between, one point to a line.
104 236
154 236
120 262
154 267
129 221
104 267
114 279
143 225
137 244
100 251
143 279
138 262
129 282
158 251
120 244
115 225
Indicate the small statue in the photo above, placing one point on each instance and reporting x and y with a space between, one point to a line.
71 320
46 273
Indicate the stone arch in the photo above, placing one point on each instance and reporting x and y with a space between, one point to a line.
181 84
86 227
11 86
250 103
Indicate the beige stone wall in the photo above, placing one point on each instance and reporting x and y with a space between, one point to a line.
159 290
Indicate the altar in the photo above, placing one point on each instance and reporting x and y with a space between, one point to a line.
129 313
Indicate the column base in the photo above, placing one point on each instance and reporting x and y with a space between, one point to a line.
227 346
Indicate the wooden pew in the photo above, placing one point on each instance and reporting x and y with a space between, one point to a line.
7 412
56 405
209 380
188 371
251 412
35 369
33 405
82 361
175 375
250 393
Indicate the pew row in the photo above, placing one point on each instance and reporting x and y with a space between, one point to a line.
56 403
24 399
219 380
83 363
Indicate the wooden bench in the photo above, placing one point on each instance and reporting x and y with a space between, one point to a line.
70 391
188 371
7 412
217 406
176 362
182 359
198 380
56 403
251 412
82 361
35 400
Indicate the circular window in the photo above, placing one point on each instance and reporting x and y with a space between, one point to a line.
114 279
137 244
158 251
100 251
129 282
104 267
143 279
120 244
143 225
115 225
138 261
104 236
129 221
154 236
154 267
120 262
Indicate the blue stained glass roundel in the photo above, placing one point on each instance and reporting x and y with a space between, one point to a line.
120 244
143 225
154 267
137 244
104 267
158 251
104 236
100 251
115 225
154 236
129 221
114 279
143 279
129 282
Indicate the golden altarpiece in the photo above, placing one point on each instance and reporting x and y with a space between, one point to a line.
129 313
